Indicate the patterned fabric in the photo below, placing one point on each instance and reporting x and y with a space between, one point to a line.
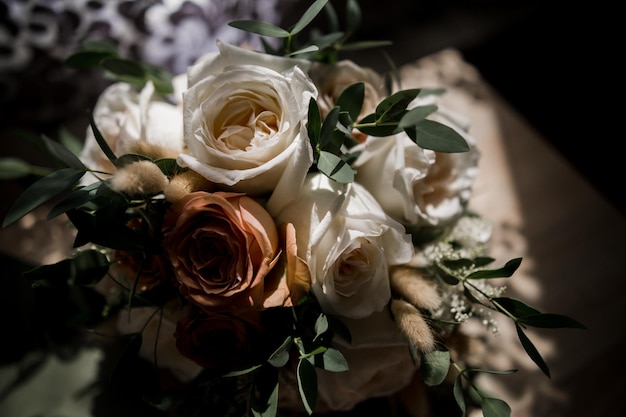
37 35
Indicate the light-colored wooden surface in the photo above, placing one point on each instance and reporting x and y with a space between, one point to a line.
571 239
573 243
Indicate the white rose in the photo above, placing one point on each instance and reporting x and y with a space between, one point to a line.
380 364
245 122
349 243
131 121
332 80
418 187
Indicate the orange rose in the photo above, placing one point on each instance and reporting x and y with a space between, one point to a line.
222 247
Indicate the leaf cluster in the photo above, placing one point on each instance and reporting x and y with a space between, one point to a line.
102 54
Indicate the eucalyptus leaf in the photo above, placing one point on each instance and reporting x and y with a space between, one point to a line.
77 198
321 325
351 99
327 40
494 407
416 115
357 46
88 59
307 384
70 141
436 136
308 16
334 361
85 269
168 166
531 350
63 154
394 105
41 191
100 139
353 16
161 78
514 307
124 67
446 276
335 168
270 408
260 28
328 128
459 397
435 366
280 357
314 123
370 126
550 321
505 272
12 168
306 50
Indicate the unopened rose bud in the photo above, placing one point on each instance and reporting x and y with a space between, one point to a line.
184 183
412 325
410 284
139 178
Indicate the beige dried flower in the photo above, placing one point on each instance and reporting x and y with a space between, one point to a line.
410 284
139 178
184 183
412 324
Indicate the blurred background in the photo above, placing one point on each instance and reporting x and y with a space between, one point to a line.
557 65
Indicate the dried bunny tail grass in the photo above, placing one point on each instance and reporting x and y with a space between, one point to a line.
184 183
412 324
139 178
154 152
410 284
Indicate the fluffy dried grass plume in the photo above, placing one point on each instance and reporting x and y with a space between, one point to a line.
410 284
412 324
139 178
186 182
152 151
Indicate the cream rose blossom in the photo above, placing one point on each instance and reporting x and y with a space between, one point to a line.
245 122
332 80
418 187
132 121
349 243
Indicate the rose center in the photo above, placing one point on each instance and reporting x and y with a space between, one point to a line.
354 267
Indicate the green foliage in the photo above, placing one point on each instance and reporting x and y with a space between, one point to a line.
103 55
435 366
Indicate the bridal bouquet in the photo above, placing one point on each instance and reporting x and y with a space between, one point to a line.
280 231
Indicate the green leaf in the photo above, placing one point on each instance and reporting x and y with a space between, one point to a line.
308 16
321 326
376 130
416 115
314 123
436 136
63 154
161 78
270 408
240 372
494 407
305 50
280 357
531 350
445 275
550 321
505 272
333 361
100 139
102 230
327 40
307 384
335 168
124 67
328 128
11 168
459 397
89 59
168 166
260 28
394 105
85 269
353 16
357 46
351 99
435 366
41 191
70 141
77 198
514 307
